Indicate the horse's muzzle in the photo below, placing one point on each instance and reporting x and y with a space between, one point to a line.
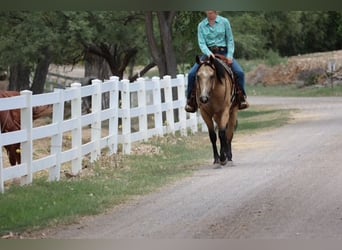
204 99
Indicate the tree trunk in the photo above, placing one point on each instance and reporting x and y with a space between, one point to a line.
19 77
165 24
163 54
156 52
96 67
41 72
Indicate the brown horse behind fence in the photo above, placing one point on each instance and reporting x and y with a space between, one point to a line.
10 121
214 93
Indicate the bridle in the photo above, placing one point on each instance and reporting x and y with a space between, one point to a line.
207 63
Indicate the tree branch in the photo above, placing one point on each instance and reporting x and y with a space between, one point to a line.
127 57
142 72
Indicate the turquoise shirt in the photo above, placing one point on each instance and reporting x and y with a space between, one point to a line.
219 35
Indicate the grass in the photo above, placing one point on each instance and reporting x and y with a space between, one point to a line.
115 179
251 120
294 91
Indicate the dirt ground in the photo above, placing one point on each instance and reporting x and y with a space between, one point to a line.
284 183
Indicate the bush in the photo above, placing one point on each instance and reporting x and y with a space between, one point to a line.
311 77
273 58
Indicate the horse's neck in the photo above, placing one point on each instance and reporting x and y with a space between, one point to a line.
222 91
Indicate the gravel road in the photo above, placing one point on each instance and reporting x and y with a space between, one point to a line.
284 183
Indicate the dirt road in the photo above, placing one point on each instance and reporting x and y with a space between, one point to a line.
285 183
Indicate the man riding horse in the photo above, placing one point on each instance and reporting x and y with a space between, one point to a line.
215 37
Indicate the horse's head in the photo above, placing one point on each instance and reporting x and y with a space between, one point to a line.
206 78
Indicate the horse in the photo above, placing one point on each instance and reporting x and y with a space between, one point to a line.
215 99
10 121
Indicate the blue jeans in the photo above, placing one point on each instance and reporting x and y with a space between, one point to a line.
236 68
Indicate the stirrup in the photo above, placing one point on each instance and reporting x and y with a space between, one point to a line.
243 105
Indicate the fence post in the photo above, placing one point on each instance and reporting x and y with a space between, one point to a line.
57 140
158 116
142 106
113 121
76 134
96 125
126 117
26 124
182 101
170 121
2 186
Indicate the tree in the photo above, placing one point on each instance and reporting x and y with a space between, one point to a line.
163 53
33 40
248 34
185 39
113 37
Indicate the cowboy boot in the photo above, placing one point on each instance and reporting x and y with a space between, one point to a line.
191 103
243 104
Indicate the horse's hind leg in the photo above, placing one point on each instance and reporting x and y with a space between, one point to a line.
232 125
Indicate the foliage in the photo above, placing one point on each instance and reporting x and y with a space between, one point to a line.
247 32
65 34
27 34
312 76
185 33
273 58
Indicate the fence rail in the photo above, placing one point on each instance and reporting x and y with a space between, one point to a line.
156 105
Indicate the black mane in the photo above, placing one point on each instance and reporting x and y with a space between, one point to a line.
217 66
220 70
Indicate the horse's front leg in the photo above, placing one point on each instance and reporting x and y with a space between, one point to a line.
232 125
213 138
212 134
224 145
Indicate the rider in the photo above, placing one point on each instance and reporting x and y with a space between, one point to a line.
215 37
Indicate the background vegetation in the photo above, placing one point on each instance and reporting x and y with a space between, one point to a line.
110 43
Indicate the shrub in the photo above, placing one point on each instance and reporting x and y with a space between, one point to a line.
311 77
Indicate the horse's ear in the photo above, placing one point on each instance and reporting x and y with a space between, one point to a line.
198 61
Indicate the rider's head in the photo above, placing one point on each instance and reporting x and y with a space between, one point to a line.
211 15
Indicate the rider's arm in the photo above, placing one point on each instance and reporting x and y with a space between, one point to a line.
229 39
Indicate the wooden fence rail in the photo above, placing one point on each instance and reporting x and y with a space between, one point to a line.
140 114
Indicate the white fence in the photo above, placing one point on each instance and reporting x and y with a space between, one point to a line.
141 101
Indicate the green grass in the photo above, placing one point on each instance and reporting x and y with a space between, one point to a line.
115 179
251 120
294 91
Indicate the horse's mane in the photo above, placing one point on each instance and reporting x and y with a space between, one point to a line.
220 70
218 67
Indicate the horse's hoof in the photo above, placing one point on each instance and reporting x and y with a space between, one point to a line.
224 162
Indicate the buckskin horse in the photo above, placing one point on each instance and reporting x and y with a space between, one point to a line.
216 101
10 121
